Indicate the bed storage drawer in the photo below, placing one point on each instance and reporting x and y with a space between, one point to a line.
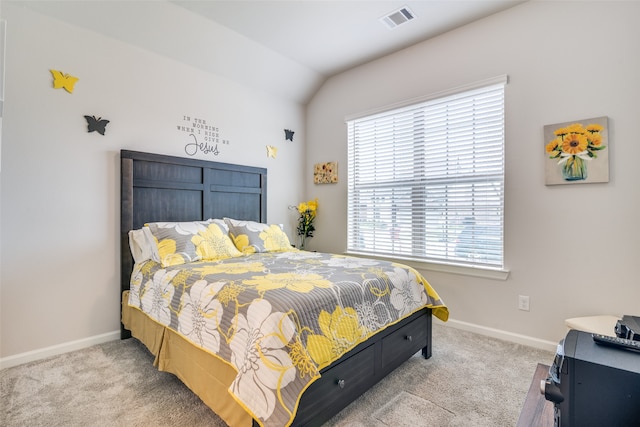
408 340
338 384
364 366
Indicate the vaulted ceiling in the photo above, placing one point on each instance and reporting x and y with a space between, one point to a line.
332 36
285 47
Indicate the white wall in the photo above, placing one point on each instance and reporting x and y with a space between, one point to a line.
60 184
573 249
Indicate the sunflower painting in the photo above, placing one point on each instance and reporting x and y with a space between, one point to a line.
325 173
577 152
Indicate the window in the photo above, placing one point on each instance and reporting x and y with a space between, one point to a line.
426 180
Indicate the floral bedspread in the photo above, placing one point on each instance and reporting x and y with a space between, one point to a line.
279 318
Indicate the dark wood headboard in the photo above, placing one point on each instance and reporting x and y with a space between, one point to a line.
165 188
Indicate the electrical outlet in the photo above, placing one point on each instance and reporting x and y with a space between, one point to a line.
523 302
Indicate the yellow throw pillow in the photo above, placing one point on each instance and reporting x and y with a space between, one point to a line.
214 243
251 237
184 242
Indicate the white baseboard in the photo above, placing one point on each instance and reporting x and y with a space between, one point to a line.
503 335
30 356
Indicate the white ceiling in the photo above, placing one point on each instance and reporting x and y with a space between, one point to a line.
285 47
332 36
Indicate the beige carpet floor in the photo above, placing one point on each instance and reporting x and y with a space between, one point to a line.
471 380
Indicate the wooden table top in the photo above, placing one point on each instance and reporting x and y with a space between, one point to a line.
536 411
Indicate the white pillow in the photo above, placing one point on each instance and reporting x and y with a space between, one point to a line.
143 245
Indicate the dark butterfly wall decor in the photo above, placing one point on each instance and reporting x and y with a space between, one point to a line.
97 125
288 134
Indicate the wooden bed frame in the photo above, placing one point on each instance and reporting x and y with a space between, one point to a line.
165 188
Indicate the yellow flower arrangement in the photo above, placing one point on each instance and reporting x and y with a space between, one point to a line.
573 145
307 211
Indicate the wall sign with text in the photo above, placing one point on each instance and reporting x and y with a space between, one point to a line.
202 136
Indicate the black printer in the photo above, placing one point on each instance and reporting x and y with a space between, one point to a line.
595 385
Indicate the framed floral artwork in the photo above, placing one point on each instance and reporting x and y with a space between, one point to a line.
577 152
325 173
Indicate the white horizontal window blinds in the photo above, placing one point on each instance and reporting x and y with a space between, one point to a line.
426 181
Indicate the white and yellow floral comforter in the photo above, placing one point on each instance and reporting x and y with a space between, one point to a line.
278 318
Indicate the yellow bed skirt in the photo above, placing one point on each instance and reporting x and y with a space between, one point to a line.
207 376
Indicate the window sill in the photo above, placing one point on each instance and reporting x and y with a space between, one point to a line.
465 270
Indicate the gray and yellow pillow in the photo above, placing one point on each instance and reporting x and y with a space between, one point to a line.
251 237
184 242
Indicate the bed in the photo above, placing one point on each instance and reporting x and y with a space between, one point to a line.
315 359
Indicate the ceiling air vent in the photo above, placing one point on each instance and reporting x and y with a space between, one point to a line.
398 17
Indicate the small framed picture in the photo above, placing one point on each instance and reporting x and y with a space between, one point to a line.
325 173
577 152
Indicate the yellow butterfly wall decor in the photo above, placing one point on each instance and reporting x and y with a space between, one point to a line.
61 80
272 151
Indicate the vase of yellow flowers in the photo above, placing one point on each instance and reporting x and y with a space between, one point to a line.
307 211
574 169
574 146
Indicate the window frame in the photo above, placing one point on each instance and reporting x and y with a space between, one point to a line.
447 263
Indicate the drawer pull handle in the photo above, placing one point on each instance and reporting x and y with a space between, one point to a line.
409 338
341 383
